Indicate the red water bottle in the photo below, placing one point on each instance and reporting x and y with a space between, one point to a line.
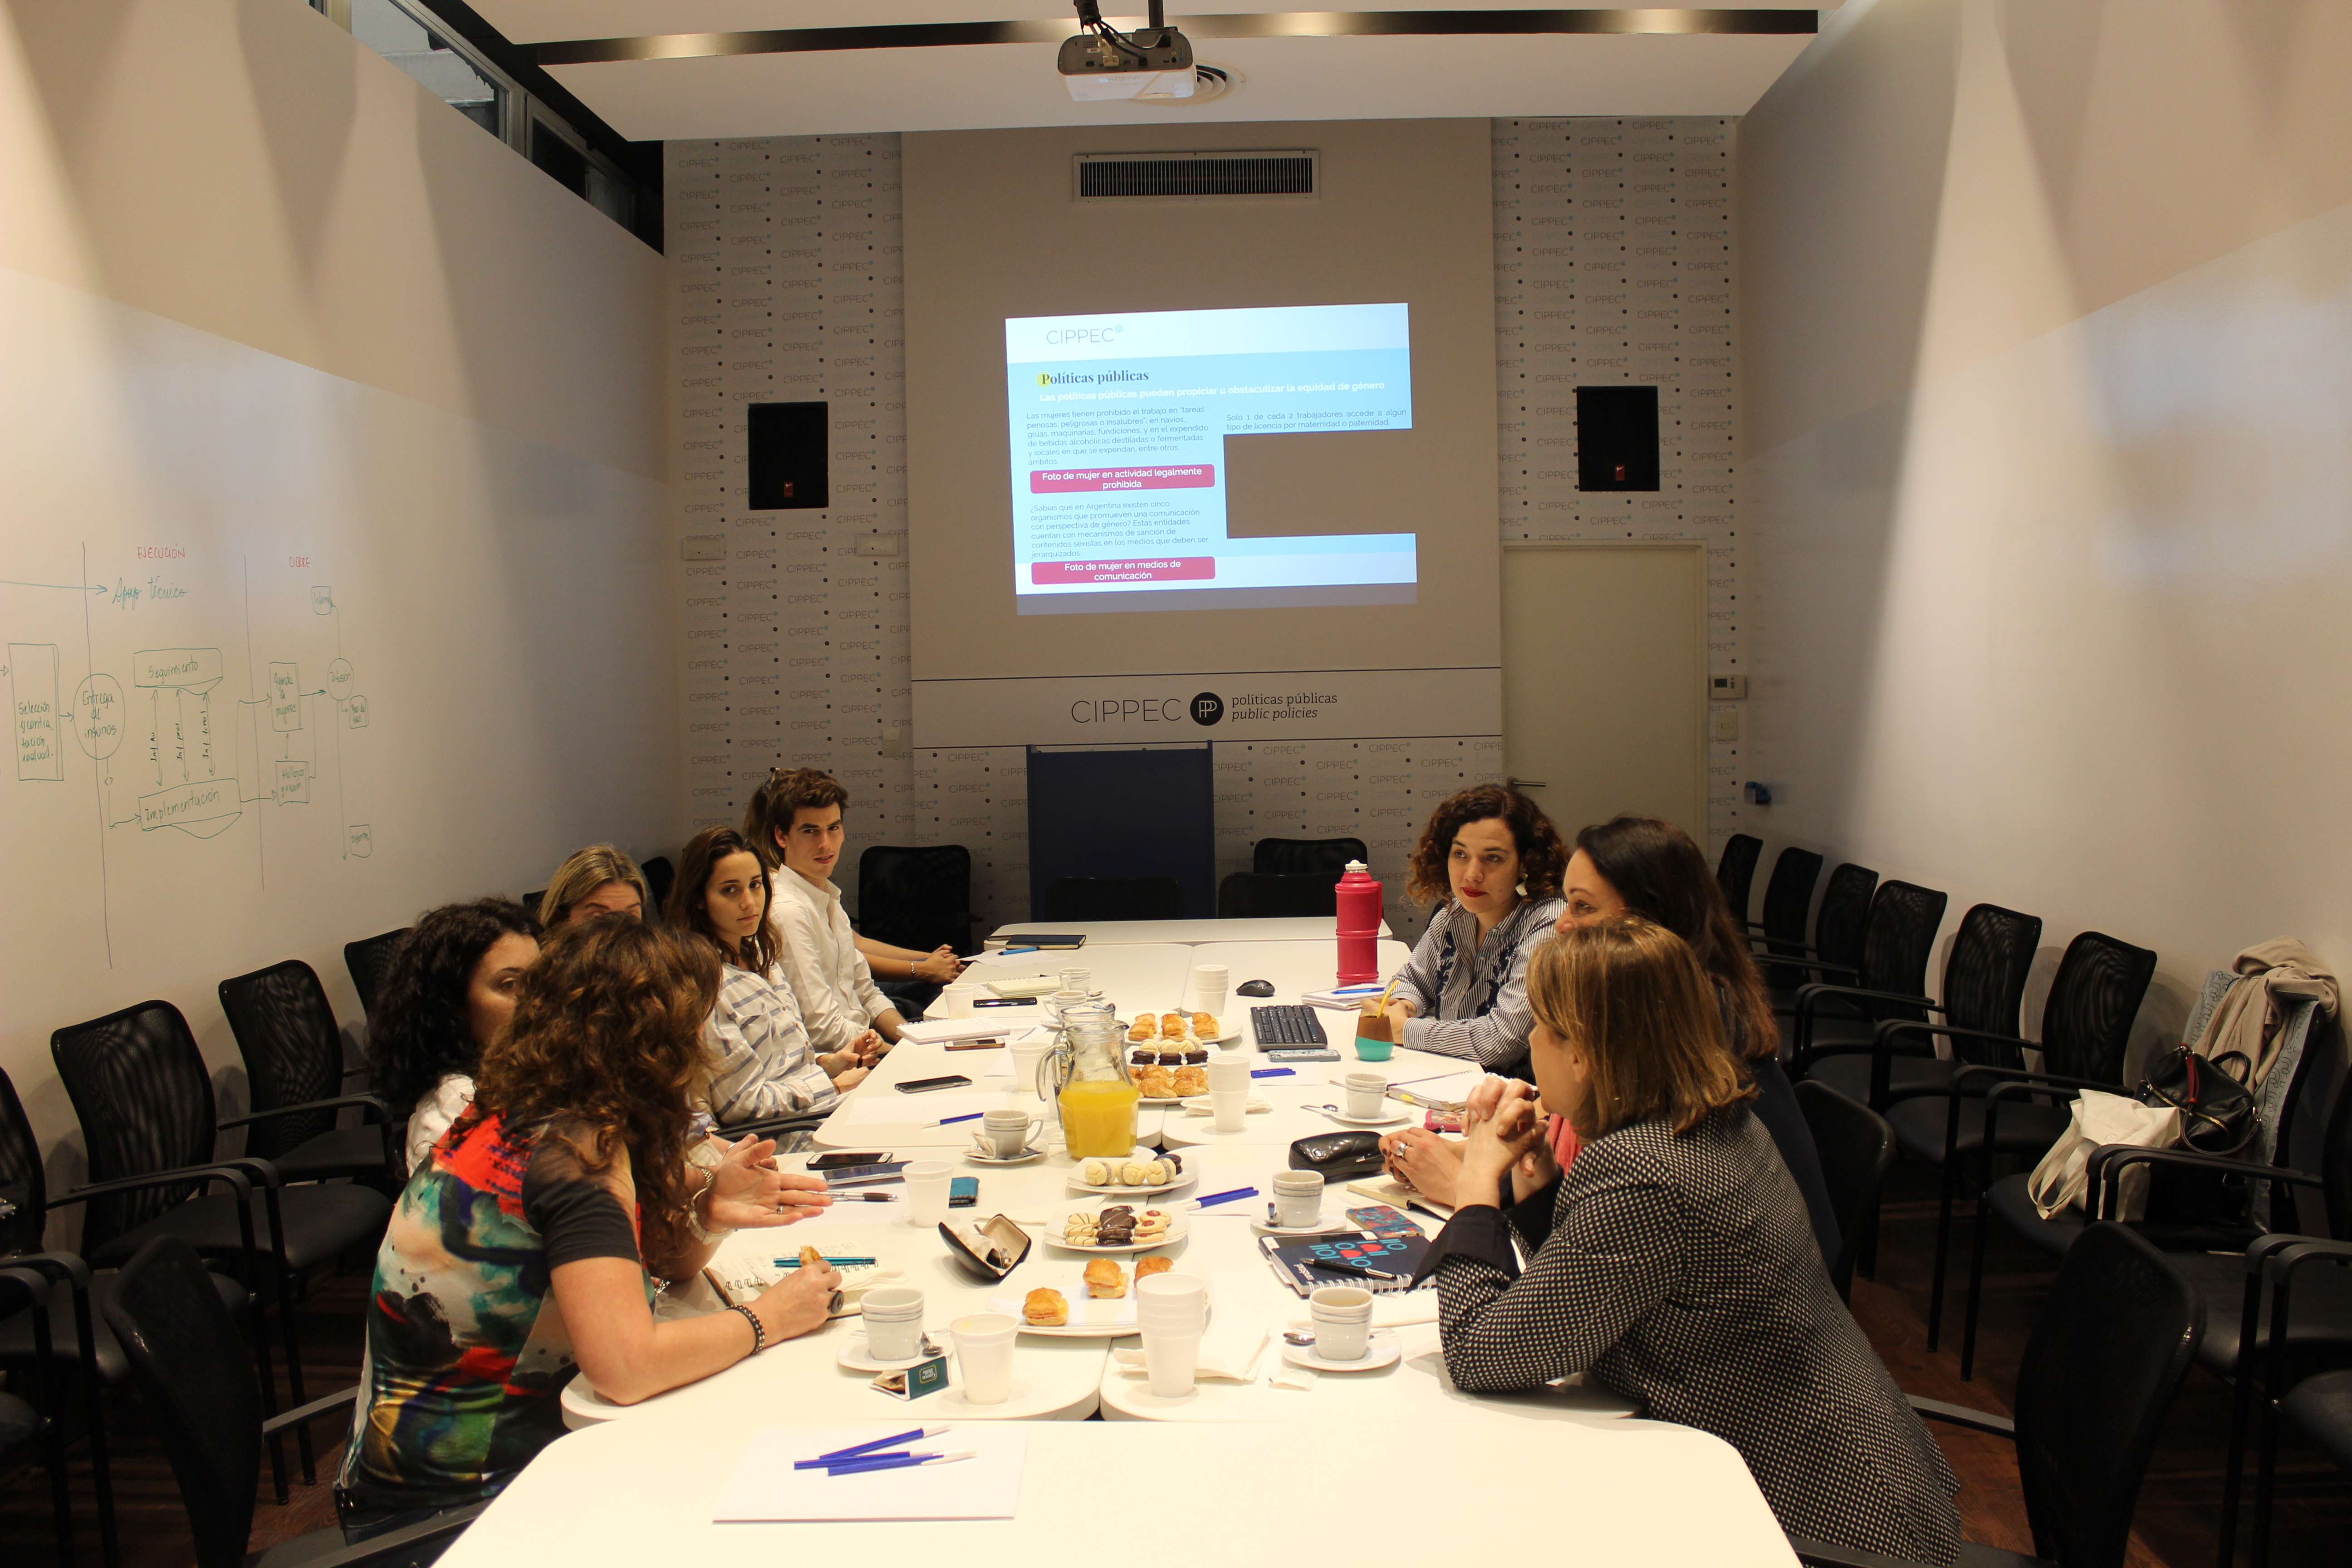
1360 926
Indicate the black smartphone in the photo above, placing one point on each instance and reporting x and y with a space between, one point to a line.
925 1085
837 1158
1004 1001
865 1175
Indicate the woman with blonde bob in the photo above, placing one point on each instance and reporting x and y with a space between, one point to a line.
1675 1264
597 880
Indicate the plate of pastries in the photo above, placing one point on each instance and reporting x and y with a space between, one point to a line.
1146 1172
1169 1054
1096 1303
1117 1227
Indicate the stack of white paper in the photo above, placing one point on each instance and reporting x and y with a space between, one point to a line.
767 1490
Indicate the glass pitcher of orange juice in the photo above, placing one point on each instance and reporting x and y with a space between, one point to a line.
1097 1096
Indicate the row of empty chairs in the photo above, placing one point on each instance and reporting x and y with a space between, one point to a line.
1858 1019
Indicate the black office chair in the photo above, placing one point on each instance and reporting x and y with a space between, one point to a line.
916 897
1856 1148
207 1411
529 902
1788 899
39 1421
1736 870
144 1099
2086 1026
1252 895
2106 1357
1324 857
1891 981
1080 899
659 877
2275 1324
1841 926
366 960
293 1054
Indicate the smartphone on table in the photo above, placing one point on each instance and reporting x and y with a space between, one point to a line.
925 1085
838 1157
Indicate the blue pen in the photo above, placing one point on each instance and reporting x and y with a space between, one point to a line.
1228 1197
1274 1072
1019 949
860 1467
944 1120
856 1450
828 1464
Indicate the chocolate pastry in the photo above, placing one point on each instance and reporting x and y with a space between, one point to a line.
1193 1059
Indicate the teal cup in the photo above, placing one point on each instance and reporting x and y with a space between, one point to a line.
1374 1050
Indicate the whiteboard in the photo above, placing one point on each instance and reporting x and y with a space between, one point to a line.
288 660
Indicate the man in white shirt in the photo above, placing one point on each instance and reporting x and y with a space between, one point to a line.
799 812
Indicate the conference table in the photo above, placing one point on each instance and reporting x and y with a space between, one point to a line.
1109 933
1273 1448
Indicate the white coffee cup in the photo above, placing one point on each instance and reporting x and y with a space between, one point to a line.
1007 1134
1028 1059
927 1192
894 1324
1209 989
1229 1109
955 1000
1298 1197
1343 1321
1229 1073
1367 1094
983 1347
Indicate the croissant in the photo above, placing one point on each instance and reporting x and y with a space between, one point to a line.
1106 1280
1205 1026
1046 1309
1192 1081
1155 1264
1172 1025
1145 1029
811 1258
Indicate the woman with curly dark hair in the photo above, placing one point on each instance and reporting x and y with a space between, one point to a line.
446 988
519 1251
1491 860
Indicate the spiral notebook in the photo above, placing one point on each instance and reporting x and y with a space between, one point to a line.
1294 1262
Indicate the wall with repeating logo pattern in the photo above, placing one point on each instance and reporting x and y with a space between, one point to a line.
1613 264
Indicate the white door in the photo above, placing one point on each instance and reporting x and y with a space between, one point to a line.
1604 687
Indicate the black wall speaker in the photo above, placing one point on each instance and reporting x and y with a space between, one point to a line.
1616 438
789 464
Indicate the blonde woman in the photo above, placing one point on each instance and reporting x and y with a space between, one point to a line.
1673 1264
597 880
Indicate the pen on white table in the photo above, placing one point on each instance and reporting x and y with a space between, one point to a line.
911 1462
949 1121
916 1434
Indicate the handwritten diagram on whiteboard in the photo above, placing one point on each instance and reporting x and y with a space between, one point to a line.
185 738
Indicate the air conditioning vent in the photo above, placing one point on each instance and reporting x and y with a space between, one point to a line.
1191 176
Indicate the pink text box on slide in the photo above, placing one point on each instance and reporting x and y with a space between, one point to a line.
1164 569
1151 476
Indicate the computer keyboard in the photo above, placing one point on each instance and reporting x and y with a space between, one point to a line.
1292 1026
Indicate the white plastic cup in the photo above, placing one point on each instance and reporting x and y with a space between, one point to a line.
955 1000
1007 1135
983 1347
1366 1092
1081 981
1343 1321
1171 1359
894 1324
1298 1197
1209 989
927 1192
1173 1299
1229 1109
1028 1058
1229 1073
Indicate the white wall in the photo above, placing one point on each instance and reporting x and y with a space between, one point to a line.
2048 307
300 369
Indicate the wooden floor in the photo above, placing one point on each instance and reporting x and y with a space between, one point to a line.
2178 1507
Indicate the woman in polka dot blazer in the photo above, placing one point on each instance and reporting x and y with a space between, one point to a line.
1675 1264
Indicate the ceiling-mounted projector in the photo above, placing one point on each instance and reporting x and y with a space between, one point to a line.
1100 62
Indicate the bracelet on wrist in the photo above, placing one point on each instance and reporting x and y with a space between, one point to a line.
758 1330
694 1217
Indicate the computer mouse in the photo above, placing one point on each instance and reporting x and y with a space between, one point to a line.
1256 988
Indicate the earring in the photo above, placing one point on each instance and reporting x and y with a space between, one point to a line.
1522 889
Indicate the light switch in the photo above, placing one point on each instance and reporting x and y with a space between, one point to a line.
1725 724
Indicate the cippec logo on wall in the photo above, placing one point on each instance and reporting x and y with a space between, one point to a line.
1206 707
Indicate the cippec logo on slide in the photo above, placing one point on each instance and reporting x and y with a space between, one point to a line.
1205 709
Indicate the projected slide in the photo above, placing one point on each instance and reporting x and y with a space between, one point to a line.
1119 427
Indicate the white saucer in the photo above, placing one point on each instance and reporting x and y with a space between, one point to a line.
1179 1225
1396 1119
1035 1152
1328 1223
1384 1348
853 1355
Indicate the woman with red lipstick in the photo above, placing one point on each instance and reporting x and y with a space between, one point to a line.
1494 858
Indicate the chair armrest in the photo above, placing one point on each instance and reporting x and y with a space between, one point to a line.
364 1101
2109 1161
1953 1031
1805 992
1820 1554
1809 998
35 1283
2024 1081
2301 1249
238 1180
399 1546
1962 1415
312 1411
64 1266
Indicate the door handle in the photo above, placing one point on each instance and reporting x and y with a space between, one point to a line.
1527 784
